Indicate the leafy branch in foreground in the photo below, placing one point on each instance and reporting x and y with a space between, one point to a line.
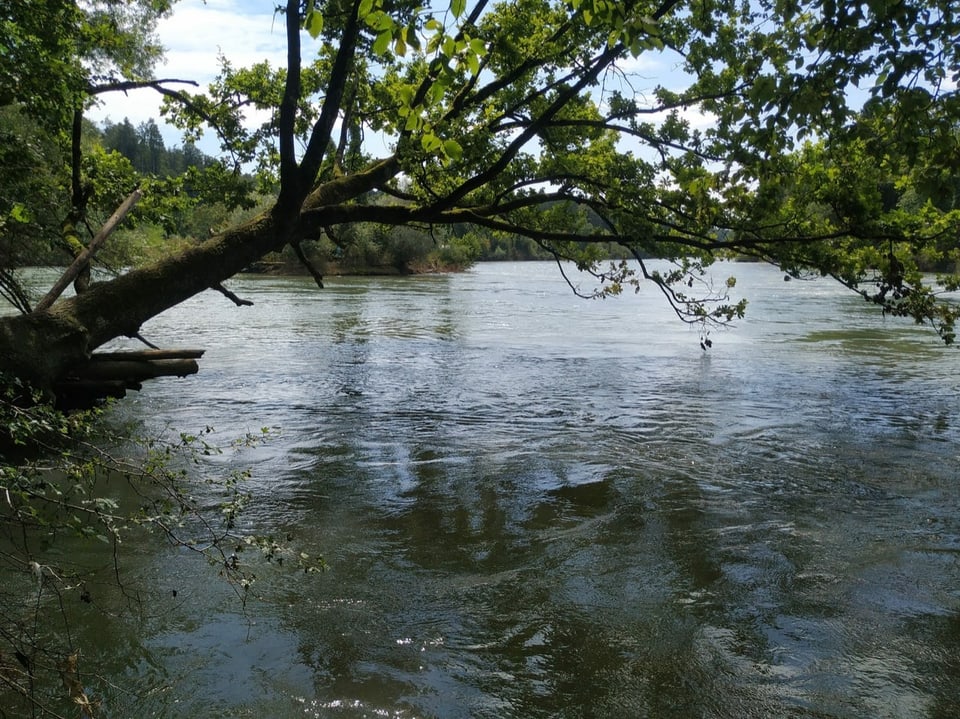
75 500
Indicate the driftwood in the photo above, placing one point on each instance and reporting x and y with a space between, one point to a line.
136 370
84 257
146 355
112 374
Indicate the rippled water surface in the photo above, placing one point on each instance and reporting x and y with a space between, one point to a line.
537 506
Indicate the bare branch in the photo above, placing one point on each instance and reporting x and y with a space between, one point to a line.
148 343
84 257
305 261
231 296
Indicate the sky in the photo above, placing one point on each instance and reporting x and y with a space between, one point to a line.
194 36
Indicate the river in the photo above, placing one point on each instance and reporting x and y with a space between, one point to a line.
533 505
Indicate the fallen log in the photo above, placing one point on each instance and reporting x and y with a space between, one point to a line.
147 355
83 258
85 393
135 370
111 374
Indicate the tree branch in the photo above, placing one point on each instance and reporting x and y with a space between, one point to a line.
84 257
305 261
529 65
348 187
125 85
511 151
288 110
336 88
239 302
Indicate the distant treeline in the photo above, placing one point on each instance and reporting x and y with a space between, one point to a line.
143 145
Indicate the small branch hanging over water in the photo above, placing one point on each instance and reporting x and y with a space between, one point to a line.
305 261
148 343
238 301
13 292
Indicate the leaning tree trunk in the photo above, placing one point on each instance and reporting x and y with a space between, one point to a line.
43 345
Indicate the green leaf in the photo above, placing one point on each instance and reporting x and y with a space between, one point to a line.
20 213
452 149
763 90
382 43
649 26
313 24
413 40
430 142
382 21
435 93
478 46
457 7
413 122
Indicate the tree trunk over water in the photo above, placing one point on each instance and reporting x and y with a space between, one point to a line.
44 345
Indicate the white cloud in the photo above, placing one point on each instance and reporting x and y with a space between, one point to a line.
696 118
656 65
197 33
194 37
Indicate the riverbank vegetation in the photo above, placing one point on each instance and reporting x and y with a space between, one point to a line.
76 488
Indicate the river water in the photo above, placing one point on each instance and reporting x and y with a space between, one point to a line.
533 505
